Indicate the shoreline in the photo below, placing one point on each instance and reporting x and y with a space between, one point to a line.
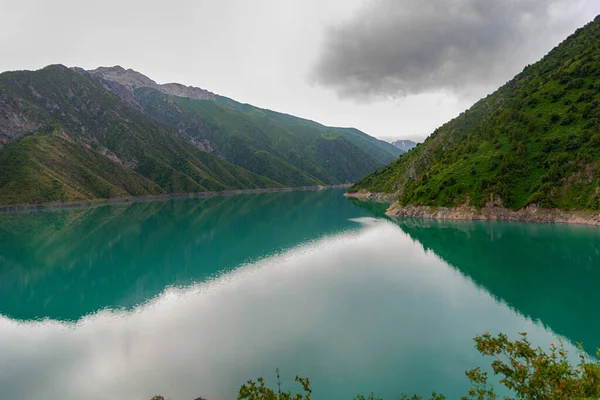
159 197
375 197
530 213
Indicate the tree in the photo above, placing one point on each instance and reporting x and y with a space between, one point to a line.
530 373
258 391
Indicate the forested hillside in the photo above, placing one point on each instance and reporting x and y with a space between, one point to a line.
279 146
535 140
67 138
67 134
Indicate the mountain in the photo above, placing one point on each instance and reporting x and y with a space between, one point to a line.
404 145
380 150
536 140
67 138
132 80
67 135
288 149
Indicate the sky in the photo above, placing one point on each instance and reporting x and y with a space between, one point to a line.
396 69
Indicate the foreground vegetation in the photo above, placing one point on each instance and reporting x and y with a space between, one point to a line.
535 140
529 373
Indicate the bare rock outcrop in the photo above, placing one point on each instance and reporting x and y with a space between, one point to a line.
376 197
531 213
132 80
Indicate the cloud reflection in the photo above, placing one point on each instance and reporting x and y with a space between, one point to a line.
360 311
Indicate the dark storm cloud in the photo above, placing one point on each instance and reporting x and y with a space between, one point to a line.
400 47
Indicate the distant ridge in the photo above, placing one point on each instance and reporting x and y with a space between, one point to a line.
404 145
70 135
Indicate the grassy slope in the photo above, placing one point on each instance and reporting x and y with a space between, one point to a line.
41 168
535 140
292 154
380 150
341 158
256 146
60 100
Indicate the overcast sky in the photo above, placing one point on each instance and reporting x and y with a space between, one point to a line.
392 68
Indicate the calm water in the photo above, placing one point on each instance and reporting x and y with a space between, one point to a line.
191 298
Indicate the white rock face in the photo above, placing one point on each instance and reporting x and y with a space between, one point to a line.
132 80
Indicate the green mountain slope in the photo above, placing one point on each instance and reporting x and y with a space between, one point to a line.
89 144
380 150
257 145
330 154
287 153
535 140
279 146
115 132
42 168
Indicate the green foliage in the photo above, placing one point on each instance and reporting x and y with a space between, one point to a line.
92 145
279 146
379 150
434 396
535 140
44 168
529 373
532 373
258 391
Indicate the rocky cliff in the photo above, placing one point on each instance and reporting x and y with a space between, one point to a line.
132 80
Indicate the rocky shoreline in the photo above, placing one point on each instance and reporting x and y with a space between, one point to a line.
377 197
116 200
490 212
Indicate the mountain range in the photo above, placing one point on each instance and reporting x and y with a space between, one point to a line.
67 134
536 140
404 145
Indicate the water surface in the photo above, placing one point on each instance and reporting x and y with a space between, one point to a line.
191 298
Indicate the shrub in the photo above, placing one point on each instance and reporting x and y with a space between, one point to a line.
530 373
258 391
576 83
592 123
494 164
585 96
573 143
530 127
550 144
557 95
556 172
569 119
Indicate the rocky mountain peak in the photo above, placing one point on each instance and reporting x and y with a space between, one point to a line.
132 80
127 77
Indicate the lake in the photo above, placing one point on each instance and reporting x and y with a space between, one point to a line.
189 298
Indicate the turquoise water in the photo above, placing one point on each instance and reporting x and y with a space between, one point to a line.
191 298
